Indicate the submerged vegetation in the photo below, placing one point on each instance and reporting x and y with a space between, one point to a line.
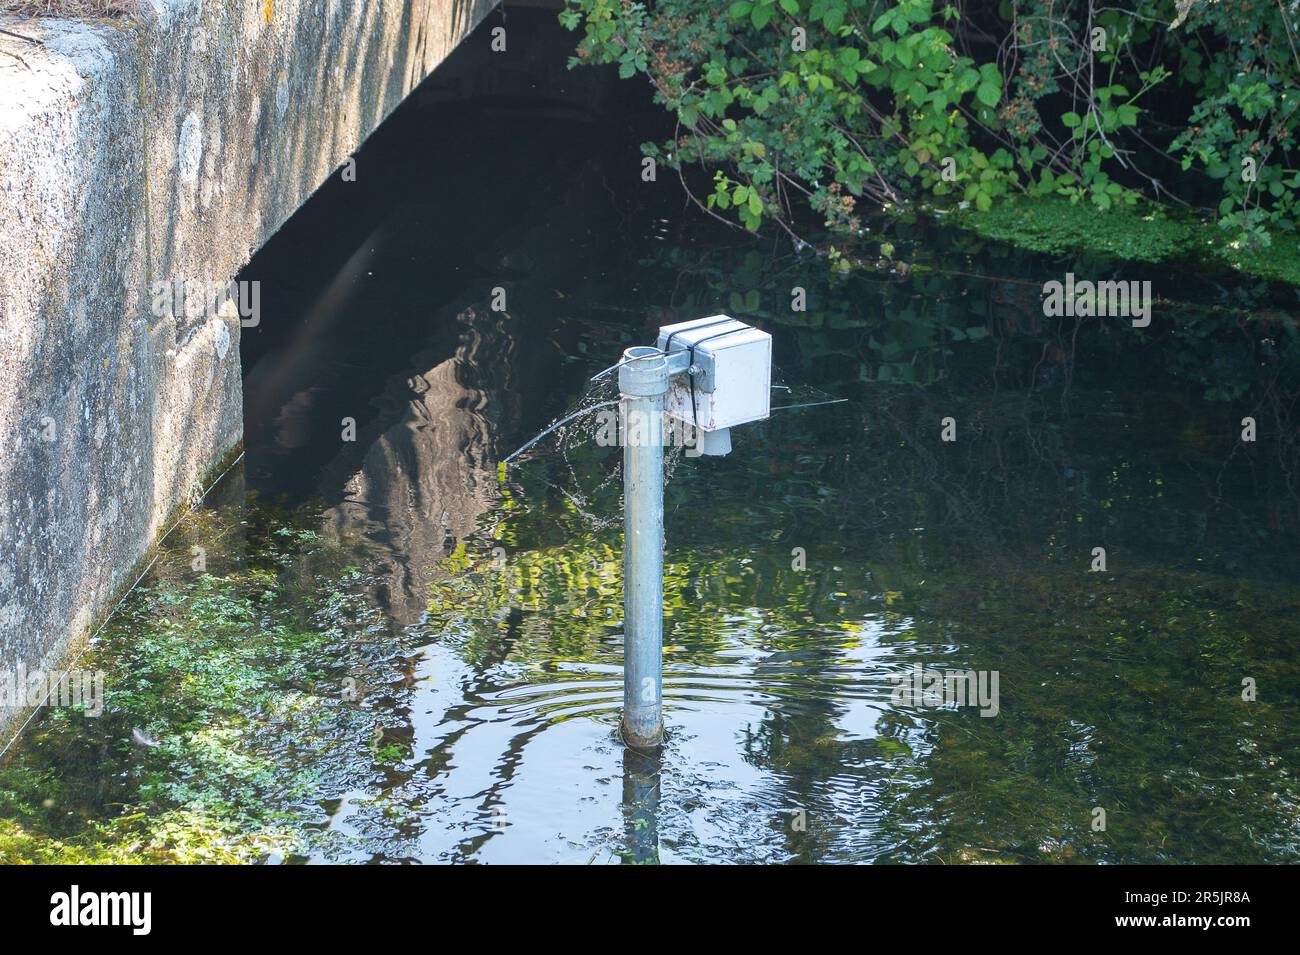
1084 729
226 710
841 107
230 735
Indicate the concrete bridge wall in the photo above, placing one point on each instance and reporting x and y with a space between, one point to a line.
159 148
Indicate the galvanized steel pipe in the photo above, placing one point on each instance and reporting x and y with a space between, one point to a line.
642 382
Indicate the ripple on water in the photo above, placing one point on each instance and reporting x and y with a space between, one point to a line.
505 752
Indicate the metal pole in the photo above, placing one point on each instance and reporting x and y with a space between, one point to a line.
642 381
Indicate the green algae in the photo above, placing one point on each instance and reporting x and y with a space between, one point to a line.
224 709
1142 234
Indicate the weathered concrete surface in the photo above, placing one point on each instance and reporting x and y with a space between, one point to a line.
133 152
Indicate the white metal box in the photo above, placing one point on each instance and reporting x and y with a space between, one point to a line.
732 383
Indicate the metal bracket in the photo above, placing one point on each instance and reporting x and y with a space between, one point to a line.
679 363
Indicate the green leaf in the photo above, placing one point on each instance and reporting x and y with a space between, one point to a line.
989 94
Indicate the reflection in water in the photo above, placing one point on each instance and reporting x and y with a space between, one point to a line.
426 478
414 474
398 654
641 806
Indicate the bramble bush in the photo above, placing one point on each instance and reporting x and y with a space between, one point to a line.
846 106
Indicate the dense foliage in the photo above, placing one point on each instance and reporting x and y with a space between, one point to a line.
840 106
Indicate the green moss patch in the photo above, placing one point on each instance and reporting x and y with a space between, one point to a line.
1057 226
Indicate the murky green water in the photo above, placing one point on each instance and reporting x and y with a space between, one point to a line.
398 652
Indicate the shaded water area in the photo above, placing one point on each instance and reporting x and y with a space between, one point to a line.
395 649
